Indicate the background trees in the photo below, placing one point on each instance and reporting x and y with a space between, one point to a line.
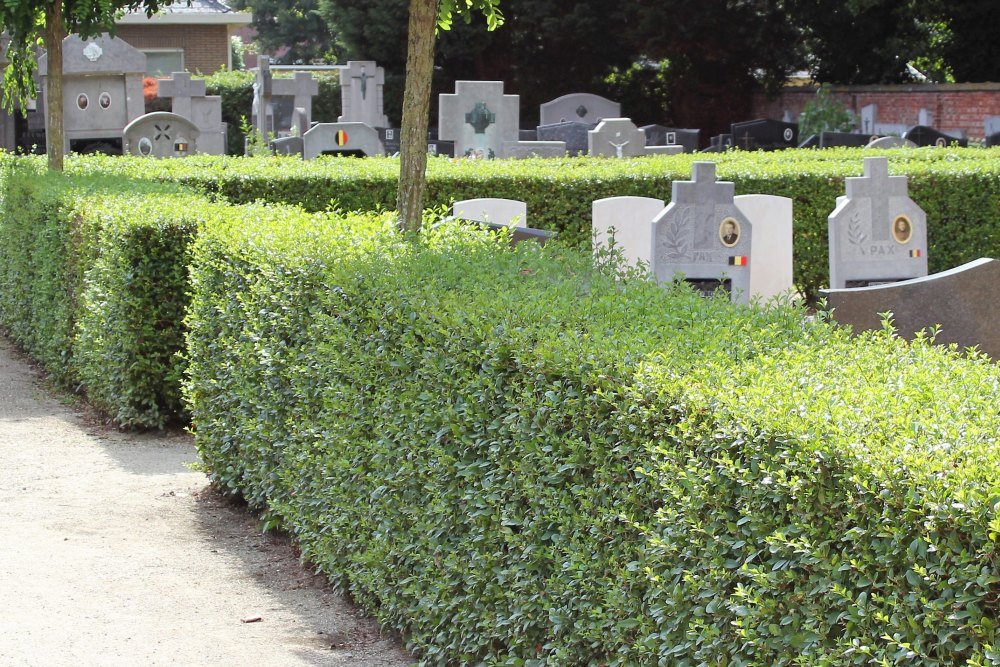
298 26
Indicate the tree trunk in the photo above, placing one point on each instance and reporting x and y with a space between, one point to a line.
416 108
54 34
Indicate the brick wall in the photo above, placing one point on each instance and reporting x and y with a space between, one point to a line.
953 107
206 47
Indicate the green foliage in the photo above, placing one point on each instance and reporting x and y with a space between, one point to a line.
520 461
94 284
958 188
824 114
296 26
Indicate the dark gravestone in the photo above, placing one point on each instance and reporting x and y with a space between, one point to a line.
287 146
574 135
922 135
390 139
962 301
659 135
992 140
767 134
441 147
719 143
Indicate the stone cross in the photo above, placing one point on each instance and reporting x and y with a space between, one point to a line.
301 88
361 85
180 89
616 137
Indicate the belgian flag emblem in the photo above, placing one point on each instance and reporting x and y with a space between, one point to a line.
915 253
739 260
341 137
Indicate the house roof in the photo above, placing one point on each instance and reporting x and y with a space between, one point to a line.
197 12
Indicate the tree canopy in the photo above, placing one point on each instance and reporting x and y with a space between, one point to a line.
297 26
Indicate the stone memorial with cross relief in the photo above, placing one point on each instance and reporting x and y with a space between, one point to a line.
188 99
361 84
479 118
877 233
703 238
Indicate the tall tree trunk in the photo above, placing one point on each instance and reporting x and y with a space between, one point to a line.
416 108
54 34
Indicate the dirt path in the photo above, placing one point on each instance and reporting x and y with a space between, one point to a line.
114 552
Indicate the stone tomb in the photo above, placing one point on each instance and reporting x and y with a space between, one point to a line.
659 135
961 300
629 221
616 137
187 98
766 134
161 134
361 84
102 88
578 108
358 139
571 133
274 120
921 135
703 237
483 122
771 246
991 127
510 212
877 233
827 139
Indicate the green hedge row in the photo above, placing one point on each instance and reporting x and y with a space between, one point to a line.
520 460
94 285
958 188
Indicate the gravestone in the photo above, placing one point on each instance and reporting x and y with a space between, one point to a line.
390 139
827 139
161 134
961 300
573 134
527 135
616 137
928 136
771 246
870 124
659 135
766 134
877 233
479 118
578 108
991 127
925 118
187 98
526 149
280 103
630 221
361 84
703 237
719 143
357 139
102 87
890 142
287 146
508 212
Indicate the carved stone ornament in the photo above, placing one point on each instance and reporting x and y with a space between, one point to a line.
92 51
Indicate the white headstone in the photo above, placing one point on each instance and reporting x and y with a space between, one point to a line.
616 137
925 118
771 248
361 84
629 220
703 237
877 233
991 125
508 212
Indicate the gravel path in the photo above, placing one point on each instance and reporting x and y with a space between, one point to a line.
114 552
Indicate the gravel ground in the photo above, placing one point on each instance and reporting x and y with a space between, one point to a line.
113 551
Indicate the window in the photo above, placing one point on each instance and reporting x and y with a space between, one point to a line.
163 63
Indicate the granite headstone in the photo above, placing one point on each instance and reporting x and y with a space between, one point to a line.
361 85
616 137
161 134
358 139
629 220
578 108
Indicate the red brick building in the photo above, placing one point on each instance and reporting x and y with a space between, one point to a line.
194 37
952 107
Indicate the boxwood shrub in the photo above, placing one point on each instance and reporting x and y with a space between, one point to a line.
94 284
958 188
518 459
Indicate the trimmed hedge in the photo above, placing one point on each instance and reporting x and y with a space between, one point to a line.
94 285
518 460
958 188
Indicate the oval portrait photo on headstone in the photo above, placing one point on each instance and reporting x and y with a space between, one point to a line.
729 232
902 229
104 100
82 102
